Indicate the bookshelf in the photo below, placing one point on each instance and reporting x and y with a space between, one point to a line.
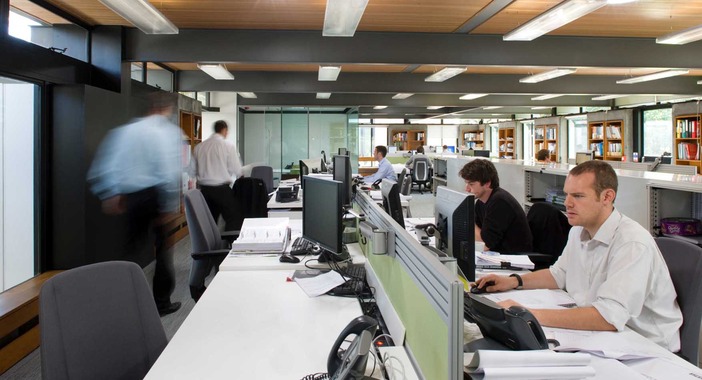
505 144
408 139
606 138
473 139
546 137
687 140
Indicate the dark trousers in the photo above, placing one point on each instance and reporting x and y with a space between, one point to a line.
142 213
220 200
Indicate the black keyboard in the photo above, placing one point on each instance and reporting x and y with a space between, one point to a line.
301 246
355 284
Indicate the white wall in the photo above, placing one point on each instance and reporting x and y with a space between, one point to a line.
227 103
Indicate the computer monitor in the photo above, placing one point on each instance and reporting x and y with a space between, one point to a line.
343 152
391 200
481 153
323 165
450 149
454 214
581 157
304 169
322 215
342 173
308 166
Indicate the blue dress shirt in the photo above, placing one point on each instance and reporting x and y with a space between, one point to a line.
385 170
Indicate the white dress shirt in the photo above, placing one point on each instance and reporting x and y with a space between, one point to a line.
385 170
621 272
215 161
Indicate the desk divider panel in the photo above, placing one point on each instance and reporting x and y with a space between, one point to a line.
427 297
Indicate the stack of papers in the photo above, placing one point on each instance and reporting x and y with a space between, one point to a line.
494 260
539 364
262 235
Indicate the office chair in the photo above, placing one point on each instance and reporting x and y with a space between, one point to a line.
99 321
684 261
420 172
549 233
265 173
208 246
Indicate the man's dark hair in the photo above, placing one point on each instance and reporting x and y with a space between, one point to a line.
220 125
482 171
542 155
382 149
420 149
605 177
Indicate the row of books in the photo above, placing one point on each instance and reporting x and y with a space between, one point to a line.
597 148
473 136
614 132
686 129
550 134
614 147
688 151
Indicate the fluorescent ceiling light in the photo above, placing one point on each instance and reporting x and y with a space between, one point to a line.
682 37
614 2
402 95
143 15
536 78
380 107
654 76
216 71
547 96
435 107
492 107
554 18
328 73
248 95
444 74
699 82
472 96
323 95
608 97
540 108
342 17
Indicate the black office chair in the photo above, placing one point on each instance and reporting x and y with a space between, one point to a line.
99 321
549 233
265 173
684 261
420 172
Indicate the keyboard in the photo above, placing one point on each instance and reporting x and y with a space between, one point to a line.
355 284
301 246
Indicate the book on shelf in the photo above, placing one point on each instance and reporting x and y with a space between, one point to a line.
262 235
537 364
687 129
614 132
688 151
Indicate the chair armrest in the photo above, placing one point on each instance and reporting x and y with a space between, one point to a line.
230 236
214 254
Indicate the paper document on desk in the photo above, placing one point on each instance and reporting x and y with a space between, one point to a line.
315 283
624 345
262 235
376 195
536 298
538 364
495 260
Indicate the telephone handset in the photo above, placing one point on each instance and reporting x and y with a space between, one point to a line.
350 363
514 327
376 184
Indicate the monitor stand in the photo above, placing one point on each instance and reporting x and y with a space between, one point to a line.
327 256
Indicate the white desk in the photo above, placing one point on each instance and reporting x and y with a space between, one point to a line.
255 325
271 262
291 210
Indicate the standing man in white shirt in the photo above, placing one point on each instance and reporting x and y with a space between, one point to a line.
611 266
385 169
214 162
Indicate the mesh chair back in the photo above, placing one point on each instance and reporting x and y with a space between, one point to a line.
204 233
266 174
99 321
684 261
420 170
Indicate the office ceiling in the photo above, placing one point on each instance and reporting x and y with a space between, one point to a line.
274 48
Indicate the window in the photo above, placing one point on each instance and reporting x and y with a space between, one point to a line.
157 76
577 135
440 135
494 140
369 138
528 133
657 131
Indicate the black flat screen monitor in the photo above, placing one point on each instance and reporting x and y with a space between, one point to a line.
322 213
481 153
342 173
391 200
454 214
304 170
343 152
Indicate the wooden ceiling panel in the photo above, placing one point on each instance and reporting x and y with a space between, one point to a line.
530 70
92 11
39 13
294 67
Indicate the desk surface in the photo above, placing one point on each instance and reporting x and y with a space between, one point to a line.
255 312
271 262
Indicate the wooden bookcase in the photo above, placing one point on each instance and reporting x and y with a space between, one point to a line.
686 133
191 125
546 137
473 139
606 138
505 143
408 139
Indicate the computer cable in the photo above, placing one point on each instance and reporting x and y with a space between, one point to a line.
317 376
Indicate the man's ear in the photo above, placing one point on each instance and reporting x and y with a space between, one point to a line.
609 195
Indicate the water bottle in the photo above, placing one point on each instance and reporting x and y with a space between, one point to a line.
636 157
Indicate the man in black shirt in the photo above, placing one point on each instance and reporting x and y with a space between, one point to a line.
500 220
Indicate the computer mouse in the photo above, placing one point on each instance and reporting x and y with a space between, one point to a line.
288 258
476 290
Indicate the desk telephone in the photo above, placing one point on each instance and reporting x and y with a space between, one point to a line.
350 364
515 327
286 194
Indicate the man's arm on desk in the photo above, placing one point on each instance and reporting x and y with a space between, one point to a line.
541 279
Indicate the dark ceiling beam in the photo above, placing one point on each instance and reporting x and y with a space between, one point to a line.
392 83
262 46
493 8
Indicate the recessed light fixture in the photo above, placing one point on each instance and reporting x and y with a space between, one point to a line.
472 96
608 97
536 78
445 73
248 95
554 18
654 76
216 71
380 107
323 95
402 95
699 82
492 107
341 17
540 108
435 107
328 73
547 96
143 15
682 37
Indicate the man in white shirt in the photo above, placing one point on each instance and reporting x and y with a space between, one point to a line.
611 266
213 164
385 169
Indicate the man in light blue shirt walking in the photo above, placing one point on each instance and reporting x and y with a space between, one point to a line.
385 169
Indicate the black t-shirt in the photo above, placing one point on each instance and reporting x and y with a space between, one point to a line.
503 223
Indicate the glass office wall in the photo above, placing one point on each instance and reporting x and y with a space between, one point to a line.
528 133
17 186
295 137
577 135
657 132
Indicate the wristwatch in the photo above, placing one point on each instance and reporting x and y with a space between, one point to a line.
520 283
